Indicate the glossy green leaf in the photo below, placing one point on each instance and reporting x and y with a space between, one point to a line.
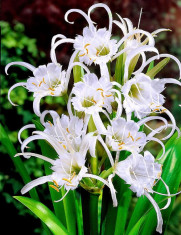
172 177
45 215
156 69
136 228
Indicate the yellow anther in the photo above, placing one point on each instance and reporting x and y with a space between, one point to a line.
129 134
52 93
34 84
67 180
138 138
93 101
99 89
132 138
97 53
82 55
56 184
86 45
50 123
121 143
52 89
60 142
70 185
40 83
64 146
155 110
44 80
73 176
102 94
54 187
120 148
67 130
108 95
163 111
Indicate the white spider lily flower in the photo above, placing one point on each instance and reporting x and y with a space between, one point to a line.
95 46
93 95
141 173
69 167
69 132
124 135
142 95
47 80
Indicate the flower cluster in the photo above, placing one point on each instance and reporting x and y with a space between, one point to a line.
106 113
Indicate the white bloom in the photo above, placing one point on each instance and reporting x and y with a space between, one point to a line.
47 80
124 135
141 173
95 46
143 95
93 96
69 167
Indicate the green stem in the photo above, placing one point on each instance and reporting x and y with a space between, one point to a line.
70 211
93 207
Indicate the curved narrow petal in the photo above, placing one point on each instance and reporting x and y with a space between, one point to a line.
61 41
22 129
51 112
168 191
107 150
28 140
26 65
98 123
173 124
159 31
55 38
129 24
158 213
113 191
63 196
36 155
121 26
150 37
96 177
108 12
36 105
147 119
12 88
74 64
36 182
134 53
156 58
89 21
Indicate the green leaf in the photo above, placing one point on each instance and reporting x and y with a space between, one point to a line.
151 65
156 69
45 215
78 71
48 151
132 65
4 139
135 230
119 69
172 177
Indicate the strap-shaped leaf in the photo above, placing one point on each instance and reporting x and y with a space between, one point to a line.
156 69
78 71
46 216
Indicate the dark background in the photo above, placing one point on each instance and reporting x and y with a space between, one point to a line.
30 41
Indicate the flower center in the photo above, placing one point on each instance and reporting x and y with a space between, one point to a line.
135 91
88 102
102 51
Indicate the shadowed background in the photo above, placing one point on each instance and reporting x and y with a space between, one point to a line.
27 29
